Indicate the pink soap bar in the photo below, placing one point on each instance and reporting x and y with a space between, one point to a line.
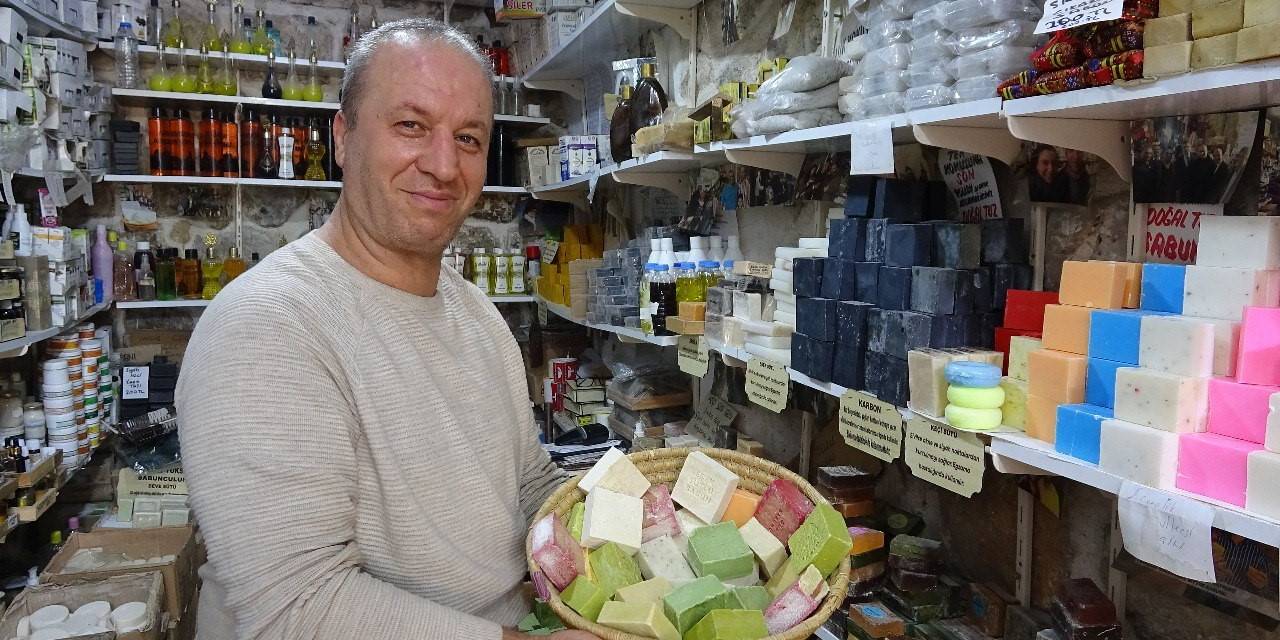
789 609
783 508
541 585
556 552
1259 360
659 514
1239 410
1214 466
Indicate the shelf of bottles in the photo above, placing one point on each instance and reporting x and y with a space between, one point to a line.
263 182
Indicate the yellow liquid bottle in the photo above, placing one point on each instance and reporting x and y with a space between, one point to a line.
183 80
211 269
233 266
314 156
212 38
173 36
236 40
314 91
292 86
227 84
204 74
160 79
262 44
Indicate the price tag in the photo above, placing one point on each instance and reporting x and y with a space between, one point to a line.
1168 531
768 384
692 356
1065 14
871 148
871 425
542 313
713 416
759 270
549 250
133 386
945 456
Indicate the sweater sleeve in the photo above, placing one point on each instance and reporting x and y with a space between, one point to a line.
268 441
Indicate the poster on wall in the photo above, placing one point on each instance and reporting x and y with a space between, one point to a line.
1269 187
973 183
1058 175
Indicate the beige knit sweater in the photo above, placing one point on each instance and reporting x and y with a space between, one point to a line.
362 461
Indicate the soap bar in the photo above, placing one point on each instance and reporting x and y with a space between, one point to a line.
1020 349
848 239
973 419
899 200
754 597
785 577
1014 410
839 279
877 234
1260 12
662 558
868 282
615 472
1246 242
1224 292
1213 20
957 245
779 285
1214 52
1066 328
791 608
886 378
704 487
585 597
783 508
927 380
576 516
987 608
764 328
861 196
649 591
693 311
766 547
1025 309
823 540
1084 602
659 514
1177 345
1226 341
781 275
742 506
1257 43
612 568
1139 453
1004 241
816 318
1214 466
812 583
1057 375
1239 410
875 620
865 540
916 548
1042 418
719 550
1079 430
1100 382
894 288
612 517
645 619
1162 287
935 290
1116 335
1259 347
806 276
729 624
968 373
1273 425
747 306
691 601
1008 276
1161 400
851 322
1100 285
848 367
558 555
1166 59
1023 623
1263 475
912 580
909 245
1167 30
976 397
838 478
688 522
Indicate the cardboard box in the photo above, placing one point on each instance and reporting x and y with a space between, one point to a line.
536 159
13 28
145 587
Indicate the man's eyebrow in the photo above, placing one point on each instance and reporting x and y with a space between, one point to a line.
419 111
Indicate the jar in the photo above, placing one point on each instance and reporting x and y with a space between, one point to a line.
55 371
33 414
11 286
10 412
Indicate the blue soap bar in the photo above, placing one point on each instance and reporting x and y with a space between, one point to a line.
816 318
1162 287
839 279
847 366
899 200
909 245
851 323
806 276
1003 241
886 378
868 287
861 197
935 290
877 230
894 288
1100 382
847 239
1079 431
1005 277
878 328
1113 334
957 245
981 375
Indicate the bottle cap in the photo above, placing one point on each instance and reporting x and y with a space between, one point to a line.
192 254
233 252
661 268
143 245
708 264
55 537
650 266
728 264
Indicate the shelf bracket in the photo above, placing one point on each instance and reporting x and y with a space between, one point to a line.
571 88
788 162
994 143
576 197
675 183
680 21
1107 139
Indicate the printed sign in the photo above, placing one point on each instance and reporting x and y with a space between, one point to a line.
1173 230
134 383
542 313
1065 14
767 384
759 270
945 456
871 148
713 416
549 250
1168 531
692 356
871 425
973 183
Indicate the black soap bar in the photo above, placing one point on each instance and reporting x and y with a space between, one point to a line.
886 377
851 322
894 288
839 279
848 239
847 366
953 331
901 200
1003 241
982 330
877 230
806 276
878 328
957 245
937 200
861 197
1005 277
935 290
821 358
976 292
868 282
918 331
800 351
816 318
909 245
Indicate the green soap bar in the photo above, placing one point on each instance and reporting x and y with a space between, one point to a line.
575 520
785 577
585 597
976 398
822 541
870 557
749 598
966 418
898 522
613 568
916 548
719 550
646 592
641 619
690 602
729 624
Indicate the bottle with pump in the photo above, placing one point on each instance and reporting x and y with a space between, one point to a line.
313 91
292 86
262 43
270 85
620 126
238 41
226 81
501 272
285 169
103 267
173 35
233 266
266 166
315 156
188 275
211 269
184 81
122 279
160 78
648 101
480 270
212 36
166 275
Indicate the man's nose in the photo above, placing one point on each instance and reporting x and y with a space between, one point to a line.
439 157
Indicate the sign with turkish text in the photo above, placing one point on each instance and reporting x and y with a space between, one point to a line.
692 355
767 384
133 385
1173 230
1065 14
1167 530
973 183
943 455
871 425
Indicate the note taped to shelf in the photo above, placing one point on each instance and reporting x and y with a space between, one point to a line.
1167 530
542 313
1065 14
767 384
692 355
712 419
871 148
945 456
871 425
549 250
133 384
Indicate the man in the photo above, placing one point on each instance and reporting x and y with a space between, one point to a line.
355 426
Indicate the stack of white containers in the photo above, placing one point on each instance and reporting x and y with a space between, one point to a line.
77 391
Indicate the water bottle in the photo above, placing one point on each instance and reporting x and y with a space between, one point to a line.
126 57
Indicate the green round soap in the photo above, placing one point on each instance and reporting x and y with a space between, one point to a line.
966 418
975 397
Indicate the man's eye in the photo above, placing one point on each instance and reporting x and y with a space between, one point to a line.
409 125
469 140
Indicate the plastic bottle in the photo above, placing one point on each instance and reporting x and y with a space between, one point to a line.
501 273
122 273
662 298
518 264
146 281
188 275
668 255
733 251
480 269
285 170
103 262
142 253
697 249
715 248
20 232
709 271
655 252
126 57
166 279
155 24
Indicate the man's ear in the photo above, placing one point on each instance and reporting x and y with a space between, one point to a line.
340 130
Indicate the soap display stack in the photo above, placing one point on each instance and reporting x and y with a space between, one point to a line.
974 395
723 324
929 383
772 337
701 560
612 295
1196 34
1015 384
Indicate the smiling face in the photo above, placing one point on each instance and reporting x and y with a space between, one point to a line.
414 164
1046 164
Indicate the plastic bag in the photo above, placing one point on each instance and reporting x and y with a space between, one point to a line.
874 85
908 7
805 73
928 20
934 95
793 121
854 49
887 33
851 105
890 58
962 14
1018 33
882 105
978 88
874 13
919 74
1003 61
930 47
774 104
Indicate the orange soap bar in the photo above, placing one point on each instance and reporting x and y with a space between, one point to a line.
742 507
865 540
1132 284
1056 375
1042 418
1066 328
1099 285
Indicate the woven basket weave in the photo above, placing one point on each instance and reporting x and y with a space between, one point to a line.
663 466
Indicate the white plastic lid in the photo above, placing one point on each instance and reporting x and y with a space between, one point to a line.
49 616
130 616
655 244
667 245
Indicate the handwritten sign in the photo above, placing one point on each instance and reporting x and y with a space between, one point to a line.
767 384
1173 230
134 383
973 183
692 355
711 419
1065 14
871 425
1168 531
945 456
549 250
871 148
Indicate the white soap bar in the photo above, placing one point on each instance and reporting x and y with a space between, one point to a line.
1226 341
1178 345
777 356
781 286
704 487
734 332
1273 424
786 319
770 342
768 549
661 558
762 328
747 306
1263 477
1246 242
782 276
782 263
750 580
1161 400
615 472
814 243
789 298
1224 292
1139 453
688 523
791 253
784 307
612 517
810 580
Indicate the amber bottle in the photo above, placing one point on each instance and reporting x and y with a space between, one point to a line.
187 273
155 141
210 131
250 141
230 146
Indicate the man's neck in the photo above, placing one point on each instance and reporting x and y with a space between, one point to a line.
413 273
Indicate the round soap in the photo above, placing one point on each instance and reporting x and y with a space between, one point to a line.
973 374
98 609
976 398
49 633
981 419
129 616
48 616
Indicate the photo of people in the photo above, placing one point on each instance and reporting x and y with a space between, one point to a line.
1191 159
1269 184
761 187
1059 175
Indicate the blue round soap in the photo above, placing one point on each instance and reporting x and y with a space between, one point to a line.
973 374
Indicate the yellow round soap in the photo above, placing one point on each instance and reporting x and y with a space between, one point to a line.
966 418
976 398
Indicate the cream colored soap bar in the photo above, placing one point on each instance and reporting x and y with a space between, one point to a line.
927 380
647 592
1259 12
704 487
615 472
645 620
612 517
1169 30
1174 7
1217 51
1166 60
662 558
1019 348
1015 402
1258 43
767 548
1214 19
1161 400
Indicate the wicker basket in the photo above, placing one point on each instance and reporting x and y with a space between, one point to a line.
663 466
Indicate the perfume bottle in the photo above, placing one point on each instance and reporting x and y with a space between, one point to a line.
262 43
315 155
187 273
292 86
212 38
266 166
160 79
226 82
270 85
211 269
183 80
173 36
233 266
204 73
314 91
234 37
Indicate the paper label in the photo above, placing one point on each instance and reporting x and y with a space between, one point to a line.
133 386
1168 531
871 148
542 313
759 270
1173 230
10 289
1065 14
871 425
714 414
973 183
767 384
692 356
945 456
549 250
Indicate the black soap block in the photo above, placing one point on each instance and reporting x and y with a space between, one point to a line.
848 239
937 200
886 377
895 331
816 318
894 288
934 290
918 331
1003 241
821 357
878 328
806 276
839 279
800 351
957 245
977 291
868 286
909 245
1005 277
860 199
851 322
901 200
847 366
877 231
982 330
953 331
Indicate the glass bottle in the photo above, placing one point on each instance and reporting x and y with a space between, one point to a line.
620 126
183 80
184 136
210 133
292 86
204 73
156 142
313 39
352 33
234 38
212 38
480 269
188 275
246 36
266 167
262 44
315 156
173 36
211 269
233 266
373 17
146 282
166 282
270 85
155 24
277 41
662 299
226 82
230 146
284 170
30 88
313 91
122 278
160 79
648 101
250 142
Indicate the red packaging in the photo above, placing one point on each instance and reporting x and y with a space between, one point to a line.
1104 39
1062 80
1025 309
1121 66
1062 51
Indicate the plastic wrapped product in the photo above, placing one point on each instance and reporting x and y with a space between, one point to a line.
1018 33
805 73
1003 60
851 105
962 14
1062 80
1108 38
1121 66
977 88
792 121
928 20
1063 50
908 7
894 56
1018 86
919 74
772 104
930 47
887 33
876 84
934 95
882 105
855 48
873 13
